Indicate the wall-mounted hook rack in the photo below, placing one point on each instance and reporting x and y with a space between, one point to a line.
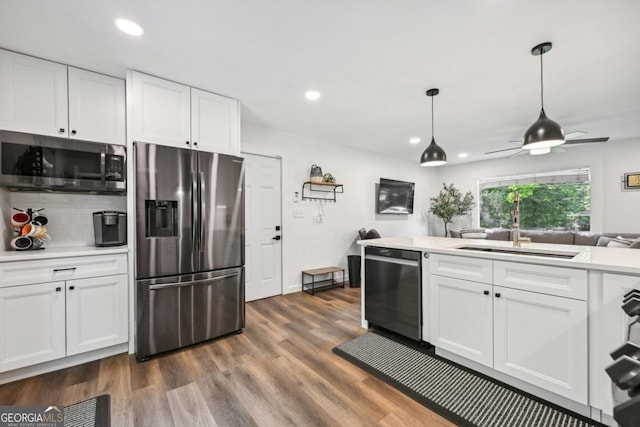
325 187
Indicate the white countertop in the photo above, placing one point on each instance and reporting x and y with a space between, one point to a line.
60 252
618 260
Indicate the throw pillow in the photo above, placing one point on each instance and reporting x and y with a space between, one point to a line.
604 241
635 244
619 242
615 243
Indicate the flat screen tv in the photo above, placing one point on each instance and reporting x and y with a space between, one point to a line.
395 197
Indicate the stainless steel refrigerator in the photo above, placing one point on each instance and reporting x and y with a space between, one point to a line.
189 247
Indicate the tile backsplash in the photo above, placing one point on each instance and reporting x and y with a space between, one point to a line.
70 215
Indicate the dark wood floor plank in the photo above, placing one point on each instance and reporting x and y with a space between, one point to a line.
279 372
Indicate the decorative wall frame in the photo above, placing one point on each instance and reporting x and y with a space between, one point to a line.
631 181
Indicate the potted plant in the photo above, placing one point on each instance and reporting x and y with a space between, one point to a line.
450 203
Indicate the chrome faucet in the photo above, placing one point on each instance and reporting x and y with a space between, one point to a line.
517 237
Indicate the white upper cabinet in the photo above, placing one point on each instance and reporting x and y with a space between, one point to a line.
161 111
96 107
39 97
169 113
214 122
33 95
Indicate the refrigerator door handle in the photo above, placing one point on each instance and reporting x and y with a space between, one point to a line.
194 210
203 209
194 282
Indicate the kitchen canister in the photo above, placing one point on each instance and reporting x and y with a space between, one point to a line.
316 174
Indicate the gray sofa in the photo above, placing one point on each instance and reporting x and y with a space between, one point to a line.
564 237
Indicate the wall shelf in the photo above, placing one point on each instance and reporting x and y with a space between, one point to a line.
308 188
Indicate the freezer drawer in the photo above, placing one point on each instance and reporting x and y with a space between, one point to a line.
174 312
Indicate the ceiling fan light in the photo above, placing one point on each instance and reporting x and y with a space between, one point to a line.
544 133
433 155
539 151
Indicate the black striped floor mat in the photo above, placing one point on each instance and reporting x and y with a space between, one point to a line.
458 394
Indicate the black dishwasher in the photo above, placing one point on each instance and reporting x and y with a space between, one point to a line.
392 293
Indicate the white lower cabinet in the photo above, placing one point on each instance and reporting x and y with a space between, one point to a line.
541 339
461 318
96 313
32 329
76 314
536 337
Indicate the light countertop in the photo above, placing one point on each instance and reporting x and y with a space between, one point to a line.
618 260
60 252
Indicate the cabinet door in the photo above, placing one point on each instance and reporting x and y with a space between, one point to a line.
34 95
542 339
32 328
161 111
461 317
96 107
97 313
215 124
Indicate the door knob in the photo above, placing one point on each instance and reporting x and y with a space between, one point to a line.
277 237
486 292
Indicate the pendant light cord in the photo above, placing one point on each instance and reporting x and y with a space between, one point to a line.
541 81
432 130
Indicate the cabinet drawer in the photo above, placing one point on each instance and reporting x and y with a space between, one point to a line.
48 270
466 268
560 281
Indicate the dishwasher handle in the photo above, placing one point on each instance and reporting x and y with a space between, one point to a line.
390 260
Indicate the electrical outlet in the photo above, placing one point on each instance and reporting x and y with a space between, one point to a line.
298 213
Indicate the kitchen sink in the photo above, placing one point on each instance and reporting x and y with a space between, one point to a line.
522 251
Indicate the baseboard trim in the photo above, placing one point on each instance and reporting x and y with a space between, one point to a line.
65 362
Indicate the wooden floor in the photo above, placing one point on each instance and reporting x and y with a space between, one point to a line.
279 372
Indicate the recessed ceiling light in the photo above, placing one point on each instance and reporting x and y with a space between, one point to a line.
463 155
414 140
129 27
312 95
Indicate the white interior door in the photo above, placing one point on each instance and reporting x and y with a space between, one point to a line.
263 249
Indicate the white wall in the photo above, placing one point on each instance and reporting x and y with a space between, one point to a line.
70 216
307 244
612 209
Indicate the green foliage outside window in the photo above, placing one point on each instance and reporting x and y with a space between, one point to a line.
542 206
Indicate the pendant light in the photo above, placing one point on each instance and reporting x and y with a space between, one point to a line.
433 155
544 133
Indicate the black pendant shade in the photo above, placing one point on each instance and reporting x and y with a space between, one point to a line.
433 155
544 133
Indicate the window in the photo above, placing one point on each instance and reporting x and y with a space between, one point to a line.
552 200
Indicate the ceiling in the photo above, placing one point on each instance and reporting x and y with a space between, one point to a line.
372 61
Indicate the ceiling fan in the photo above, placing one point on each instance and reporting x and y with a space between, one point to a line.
572 138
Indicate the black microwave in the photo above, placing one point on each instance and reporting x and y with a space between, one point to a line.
45 163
